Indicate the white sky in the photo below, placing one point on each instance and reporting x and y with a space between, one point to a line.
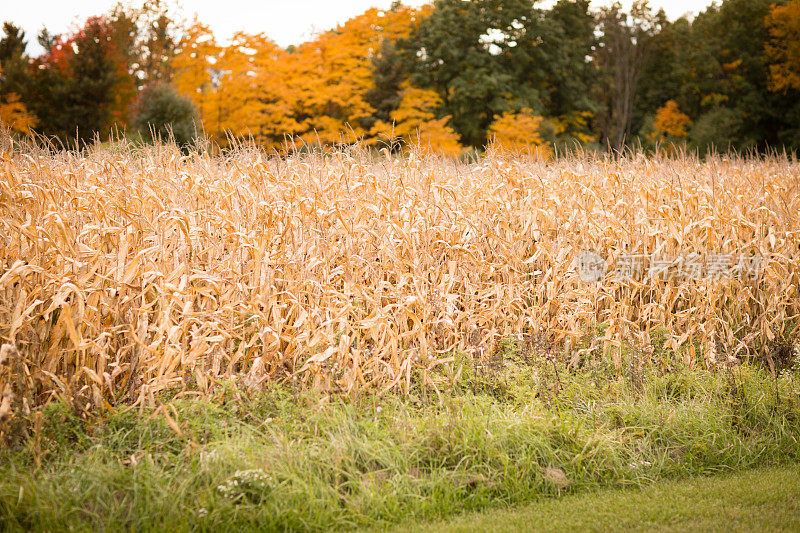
284 21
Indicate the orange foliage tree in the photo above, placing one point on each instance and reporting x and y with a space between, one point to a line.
316 91
783 49
196 73
13 113
331 75
670 123
521 130
253 97
575 125
415 121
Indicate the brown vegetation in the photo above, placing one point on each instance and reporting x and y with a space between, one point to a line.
124 273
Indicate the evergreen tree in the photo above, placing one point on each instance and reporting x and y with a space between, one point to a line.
73 84
93 77
12 45
14 61
483 58
161 113
14 80
47 40
49 89
388 74
568 39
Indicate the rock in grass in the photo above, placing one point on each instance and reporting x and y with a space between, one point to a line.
556 476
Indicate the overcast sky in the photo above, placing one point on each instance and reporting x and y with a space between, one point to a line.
285 21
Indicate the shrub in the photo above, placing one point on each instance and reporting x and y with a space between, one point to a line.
162 113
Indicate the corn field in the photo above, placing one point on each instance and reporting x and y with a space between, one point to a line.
128 272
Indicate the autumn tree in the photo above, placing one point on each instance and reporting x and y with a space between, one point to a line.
13 113
783 47
415 121
670 122
520 131
316 91
332 74
668 127
195 74
255 90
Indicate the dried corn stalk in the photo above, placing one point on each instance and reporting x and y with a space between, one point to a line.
124 273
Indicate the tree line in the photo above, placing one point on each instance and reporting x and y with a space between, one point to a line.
450 75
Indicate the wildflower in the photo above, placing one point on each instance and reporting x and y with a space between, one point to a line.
246 483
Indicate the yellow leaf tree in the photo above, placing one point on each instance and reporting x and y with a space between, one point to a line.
519 131
670 124
331 75
415 121
316 91
783 49
13 113
253 91
575 125
196 73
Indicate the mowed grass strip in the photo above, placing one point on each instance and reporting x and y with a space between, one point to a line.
764 499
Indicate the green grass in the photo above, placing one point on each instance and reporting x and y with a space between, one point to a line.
284 460
764 499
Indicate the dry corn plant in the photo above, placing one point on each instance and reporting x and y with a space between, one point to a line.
130 271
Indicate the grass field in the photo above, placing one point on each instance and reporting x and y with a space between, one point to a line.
348 339
283 460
